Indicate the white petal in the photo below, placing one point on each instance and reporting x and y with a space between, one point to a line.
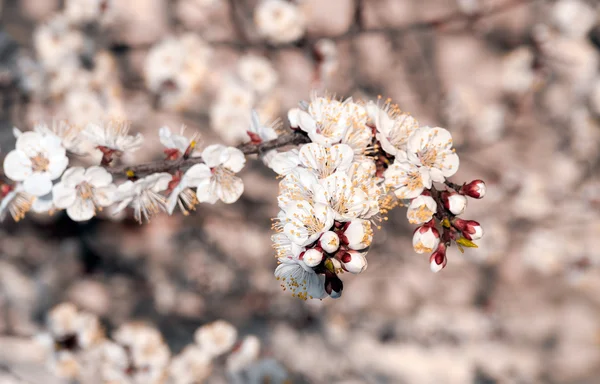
164 134
213 155
284 162
307 123
195 175
57 166
81 210
38 184
17 166
17 132
106 195
98 176
235 159
343 154
206 192
450 165
63 195
294 117
73 176
231 192
30 143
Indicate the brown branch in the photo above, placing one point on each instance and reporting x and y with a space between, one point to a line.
354 31
141 170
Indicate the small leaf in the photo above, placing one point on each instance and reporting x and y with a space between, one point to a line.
466 243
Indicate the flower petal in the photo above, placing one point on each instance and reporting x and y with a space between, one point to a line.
213 155
206 192
235 159
231 191
38 184
30 143
98 176
63 195
81 210
17 166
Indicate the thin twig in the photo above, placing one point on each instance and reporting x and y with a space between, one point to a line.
293 138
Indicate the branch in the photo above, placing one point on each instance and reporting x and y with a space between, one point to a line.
292 138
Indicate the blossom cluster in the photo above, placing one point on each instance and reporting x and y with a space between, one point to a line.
44 180
77 348
363 160
357 161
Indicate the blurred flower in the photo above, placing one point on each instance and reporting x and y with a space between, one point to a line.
216 338
217 178
83 191
257 72
279 21
16 201
143 196
56 43
37 160
574 18
517 73
87 11
244 355
192 365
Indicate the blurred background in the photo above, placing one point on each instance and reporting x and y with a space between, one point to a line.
517 82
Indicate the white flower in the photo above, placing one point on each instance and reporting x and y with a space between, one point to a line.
354 261
393 127
83 191
71 329
190 366
37 160
283 163
574 18
257 72
17 202
312 257
183 194
56 43
326 161
217 178
285 248
259 133
406 180
346 200
216 338
279 21
307 221
143 195
425 239
431 148
70 135
327 120
301 184
358 234
86 11
113 135
421 209
246 354
300 279
330 242
179 143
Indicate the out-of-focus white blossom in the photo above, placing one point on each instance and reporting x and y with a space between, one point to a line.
518 76
216 338
37 160
84 191
574 18
87 11
56 43
243 356
217 180
257 72
279 21
192 365
143 196
176 69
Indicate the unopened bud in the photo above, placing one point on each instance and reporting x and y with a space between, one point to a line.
475 189
330 242
358 234
426 239
312 257
470 229
454 202
354 262
437 260
333 285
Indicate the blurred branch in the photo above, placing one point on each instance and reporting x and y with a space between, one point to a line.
358 26
292 138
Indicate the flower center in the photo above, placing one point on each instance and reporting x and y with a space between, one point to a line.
40 163
429 157
420 215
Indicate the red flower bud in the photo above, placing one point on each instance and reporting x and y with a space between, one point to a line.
475 189
454 202
437 260
470 228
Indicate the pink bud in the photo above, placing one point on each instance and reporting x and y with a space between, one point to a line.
437 260
470 228
454 202
426 239
475 189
